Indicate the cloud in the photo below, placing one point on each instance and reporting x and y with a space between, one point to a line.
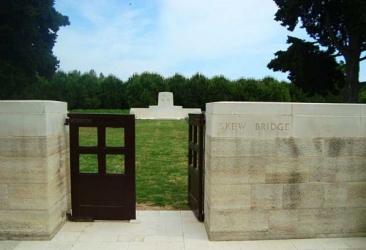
236 38
214 28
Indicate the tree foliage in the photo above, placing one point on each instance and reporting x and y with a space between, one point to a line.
337 25
142 90
310 69
28 32
92 91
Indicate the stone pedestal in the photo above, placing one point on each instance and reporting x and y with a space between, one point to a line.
165 110
285 170
34 169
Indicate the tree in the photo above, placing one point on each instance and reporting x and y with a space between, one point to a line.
197 87
178 85
337 25
143 90
27 36
113 93
310 69
218 89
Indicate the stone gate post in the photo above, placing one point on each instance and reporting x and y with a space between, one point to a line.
285 170
34 169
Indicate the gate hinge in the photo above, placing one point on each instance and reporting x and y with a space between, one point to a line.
67 122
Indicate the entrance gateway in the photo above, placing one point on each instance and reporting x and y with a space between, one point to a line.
98 193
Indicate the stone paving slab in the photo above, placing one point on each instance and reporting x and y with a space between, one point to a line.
164 230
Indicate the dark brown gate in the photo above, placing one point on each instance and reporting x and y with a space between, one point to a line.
196 156
102 166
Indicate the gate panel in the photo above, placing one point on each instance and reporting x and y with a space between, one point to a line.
196 164
95 192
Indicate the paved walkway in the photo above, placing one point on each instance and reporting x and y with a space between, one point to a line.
163 230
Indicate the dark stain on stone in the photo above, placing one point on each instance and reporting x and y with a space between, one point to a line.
293 147
318 146
295 177
294 196
335 146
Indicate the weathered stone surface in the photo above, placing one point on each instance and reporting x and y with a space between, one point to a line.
283 221
34 169
350 169
295 147
322 169
335 195
4 193
287 170
238 220
28 196
267 196
307 182
59 165
303 195
235 171
360 218
230 197
242 148
338 147
357 194
328 220
359 148
23 170
28 224
37 146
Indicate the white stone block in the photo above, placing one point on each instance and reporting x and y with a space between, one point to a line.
164 110
248 108
326 109
32 107
38 118
326 126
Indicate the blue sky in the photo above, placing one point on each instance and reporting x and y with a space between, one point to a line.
234 38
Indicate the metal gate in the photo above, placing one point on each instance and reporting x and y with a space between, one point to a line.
196 147
102 166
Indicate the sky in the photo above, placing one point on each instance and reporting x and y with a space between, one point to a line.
233 38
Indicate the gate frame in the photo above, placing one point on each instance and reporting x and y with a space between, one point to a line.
101 122
196 163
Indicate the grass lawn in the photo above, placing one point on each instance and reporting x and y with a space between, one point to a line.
161 161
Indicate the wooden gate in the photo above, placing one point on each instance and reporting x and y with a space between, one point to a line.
102 159
196 147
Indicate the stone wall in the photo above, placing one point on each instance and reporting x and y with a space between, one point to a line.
34 169
285 170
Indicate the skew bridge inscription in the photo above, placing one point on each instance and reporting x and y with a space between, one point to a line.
259 126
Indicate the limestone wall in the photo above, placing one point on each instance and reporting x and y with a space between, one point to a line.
34 169
285 170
